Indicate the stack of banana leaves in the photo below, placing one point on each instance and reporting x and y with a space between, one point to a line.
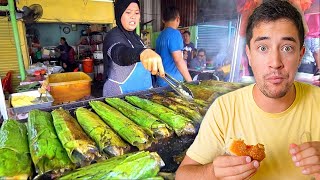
46 150
15 160
80 148
180 124
127 129
144 119
140 165
186 111
109 143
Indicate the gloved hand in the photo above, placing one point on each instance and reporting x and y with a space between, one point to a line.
152 62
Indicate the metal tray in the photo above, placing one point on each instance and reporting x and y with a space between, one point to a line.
46 101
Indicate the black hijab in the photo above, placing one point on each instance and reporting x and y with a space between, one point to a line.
120 7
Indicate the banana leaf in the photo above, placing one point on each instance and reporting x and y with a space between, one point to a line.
15 158
107 140
46 150
188 112
202 92
197 104
228 85
141 117
180 124
127 129
202 109
80 148
138 165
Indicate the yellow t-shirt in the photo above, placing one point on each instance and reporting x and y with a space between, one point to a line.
236 115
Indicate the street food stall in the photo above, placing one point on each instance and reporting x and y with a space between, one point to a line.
62 131
173 125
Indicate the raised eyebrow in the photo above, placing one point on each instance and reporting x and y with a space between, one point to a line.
260 38
289 39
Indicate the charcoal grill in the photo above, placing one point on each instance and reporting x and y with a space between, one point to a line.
167 148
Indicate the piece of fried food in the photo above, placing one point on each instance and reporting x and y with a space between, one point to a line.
239 148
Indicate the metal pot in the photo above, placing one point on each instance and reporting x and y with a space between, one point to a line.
98 55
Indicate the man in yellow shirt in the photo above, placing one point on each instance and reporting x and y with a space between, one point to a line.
276 111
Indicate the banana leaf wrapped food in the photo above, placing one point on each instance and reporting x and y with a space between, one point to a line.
228 85
202 92
46 150
15 160
107 140
197 104
127 129
138 165
180 124
141 117
177 107
80 148
202 108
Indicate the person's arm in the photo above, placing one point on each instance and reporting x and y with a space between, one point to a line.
181 65
223 167
123 55
190 168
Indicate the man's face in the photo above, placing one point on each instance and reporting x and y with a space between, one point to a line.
201 56
274 56
186 38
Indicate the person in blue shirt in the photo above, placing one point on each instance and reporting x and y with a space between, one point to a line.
169 46
128 63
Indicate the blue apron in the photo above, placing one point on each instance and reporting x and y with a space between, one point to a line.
138 80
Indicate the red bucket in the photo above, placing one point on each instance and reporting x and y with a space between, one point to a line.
87 65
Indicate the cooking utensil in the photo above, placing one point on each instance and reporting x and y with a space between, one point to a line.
179 87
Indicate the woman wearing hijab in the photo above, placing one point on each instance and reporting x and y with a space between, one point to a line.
128 62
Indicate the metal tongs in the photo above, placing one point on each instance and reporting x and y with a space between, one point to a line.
179 87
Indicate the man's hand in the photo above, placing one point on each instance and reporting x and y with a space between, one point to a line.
152 62
234 167
307 157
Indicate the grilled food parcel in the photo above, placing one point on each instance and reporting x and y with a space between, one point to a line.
139 165
127 129
223 84
239 148
141 117
80 148
197 104
14 151
109 143
46 150
188 112
210 90
180 124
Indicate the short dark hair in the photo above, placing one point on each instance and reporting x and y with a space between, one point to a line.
170 13
202 50
187 32
271 11
63 38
